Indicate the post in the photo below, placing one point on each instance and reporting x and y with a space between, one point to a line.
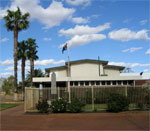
69 76
126 91
58 93
92 98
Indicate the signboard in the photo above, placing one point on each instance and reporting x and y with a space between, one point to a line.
53 83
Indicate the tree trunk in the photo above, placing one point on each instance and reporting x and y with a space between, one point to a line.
31 70
15 61
23 77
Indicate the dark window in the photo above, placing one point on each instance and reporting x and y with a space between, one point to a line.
76 83
87 83
119 82
81 83
130 82
108 82
124 82
97 82
114 82
71 83
103 82
92 83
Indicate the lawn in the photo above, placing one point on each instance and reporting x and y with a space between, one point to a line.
6 106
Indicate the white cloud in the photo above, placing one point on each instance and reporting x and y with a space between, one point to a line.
133 49
147 52
51 16
143 22
47 39
6 74
48 62
84 29
129 64
147 70
79 2
80 20
6 62
4 40
126 35
79 40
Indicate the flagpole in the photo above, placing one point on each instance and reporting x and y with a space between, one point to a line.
69 75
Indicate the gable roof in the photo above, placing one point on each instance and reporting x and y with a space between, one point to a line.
85 61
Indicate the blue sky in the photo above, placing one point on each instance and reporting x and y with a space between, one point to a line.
116 30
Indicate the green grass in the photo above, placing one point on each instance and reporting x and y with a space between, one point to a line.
6 106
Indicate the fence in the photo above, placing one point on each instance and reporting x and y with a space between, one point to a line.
95 98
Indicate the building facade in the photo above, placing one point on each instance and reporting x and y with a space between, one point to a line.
86 72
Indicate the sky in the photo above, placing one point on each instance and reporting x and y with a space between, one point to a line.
117 31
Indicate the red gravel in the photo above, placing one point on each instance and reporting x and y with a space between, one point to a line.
15 119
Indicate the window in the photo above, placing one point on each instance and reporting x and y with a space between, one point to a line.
124 82
81 83
76 83
119 82
87 83
108 82
103 82
71 83
114 82
92 83
97 82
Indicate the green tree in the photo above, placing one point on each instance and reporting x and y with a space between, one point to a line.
15 21
37 73
32 56
22 55
8 85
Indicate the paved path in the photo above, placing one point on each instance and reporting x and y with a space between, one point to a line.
15 119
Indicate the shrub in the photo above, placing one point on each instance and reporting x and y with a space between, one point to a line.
42 106
58 106
117 102
75 106
140 105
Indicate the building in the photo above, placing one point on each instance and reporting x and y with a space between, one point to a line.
86 72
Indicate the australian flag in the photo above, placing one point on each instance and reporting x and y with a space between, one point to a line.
64 48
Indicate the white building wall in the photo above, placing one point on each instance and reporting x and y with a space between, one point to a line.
59 73
112 72
85 70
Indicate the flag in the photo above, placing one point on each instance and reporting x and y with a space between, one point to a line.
64 48
141 73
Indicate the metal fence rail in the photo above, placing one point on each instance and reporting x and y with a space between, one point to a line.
94 97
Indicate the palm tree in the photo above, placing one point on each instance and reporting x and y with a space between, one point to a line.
16 22
32 55
22 55
37 73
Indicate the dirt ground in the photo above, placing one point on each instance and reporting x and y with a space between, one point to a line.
15 119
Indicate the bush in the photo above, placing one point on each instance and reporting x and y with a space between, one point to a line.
75 106
42 106
140 105
117 103
58 106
